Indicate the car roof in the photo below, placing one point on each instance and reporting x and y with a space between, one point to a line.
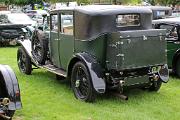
159 7
168 21
104 9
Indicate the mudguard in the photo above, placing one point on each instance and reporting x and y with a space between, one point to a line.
95 71
12 86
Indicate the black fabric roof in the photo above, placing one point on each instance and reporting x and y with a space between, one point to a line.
105 9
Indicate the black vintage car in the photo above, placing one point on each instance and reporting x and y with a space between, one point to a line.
172 26
9 33
9 93
99 47
160 12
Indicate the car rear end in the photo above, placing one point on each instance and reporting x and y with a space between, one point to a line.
136 53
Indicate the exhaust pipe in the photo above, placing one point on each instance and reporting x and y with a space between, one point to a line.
123 97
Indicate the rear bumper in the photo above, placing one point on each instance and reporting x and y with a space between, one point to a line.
139 76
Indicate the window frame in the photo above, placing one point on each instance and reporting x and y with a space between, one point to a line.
118 26
60 22
51 28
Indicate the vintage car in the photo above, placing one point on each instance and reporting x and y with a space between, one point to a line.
172 26
12 27
100 47
9 33
160 12
9 93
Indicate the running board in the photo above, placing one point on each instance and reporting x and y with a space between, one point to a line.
53 69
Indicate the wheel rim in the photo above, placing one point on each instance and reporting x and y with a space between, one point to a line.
81 85
21 61
37 48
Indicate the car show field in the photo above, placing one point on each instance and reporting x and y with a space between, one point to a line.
45 98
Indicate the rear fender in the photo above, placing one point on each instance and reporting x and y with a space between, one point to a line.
12 87
95 71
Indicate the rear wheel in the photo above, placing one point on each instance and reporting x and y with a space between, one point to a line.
81 83
39 46
177 67
24 61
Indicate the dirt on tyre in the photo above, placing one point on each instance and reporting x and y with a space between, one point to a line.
156 85
81 83
39 46
24 61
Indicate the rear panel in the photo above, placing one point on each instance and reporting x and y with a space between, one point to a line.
135 49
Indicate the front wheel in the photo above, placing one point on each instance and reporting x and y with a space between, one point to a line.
81 83
24 61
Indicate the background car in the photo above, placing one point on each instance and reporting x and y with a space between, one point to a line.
37 15
11 27
172 26
9 93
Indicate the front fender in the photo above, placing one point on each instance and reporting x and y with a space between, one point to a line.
12 86
95 71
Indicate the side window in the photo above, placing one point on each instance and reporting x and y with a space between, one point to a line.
54 22
171 31
67 24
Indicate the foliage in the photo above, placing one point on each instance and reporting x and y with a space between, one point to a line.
164 2
83 1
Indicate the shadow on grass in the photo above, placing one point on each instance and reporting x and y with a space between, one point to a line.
137 95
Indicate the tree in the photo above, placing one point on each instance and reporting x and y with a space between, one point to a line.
164 2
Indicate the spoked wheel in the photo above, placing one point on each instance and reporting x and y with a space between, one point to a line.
39 46
24 61
81 83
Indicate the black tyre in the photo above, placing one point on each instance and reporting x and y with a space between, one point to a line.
39 46
10 113
81 83
177 67
24 61
156 85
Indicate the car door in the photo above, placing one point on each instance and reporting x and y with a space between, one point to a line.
66 38
54 39
173 43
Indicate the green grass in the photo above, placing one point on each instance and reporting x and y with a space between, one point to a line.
45 98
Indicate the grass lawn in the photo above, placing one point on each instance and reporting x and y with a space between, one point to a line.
45 98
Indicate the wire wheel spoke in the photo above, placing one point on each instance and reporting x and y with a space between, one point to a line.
22 61
83 87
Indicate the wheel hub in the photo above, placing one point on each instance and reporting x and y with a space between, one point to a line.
77 83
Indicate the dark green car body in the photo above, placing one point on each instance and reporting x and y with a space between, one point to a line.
114 48
114 45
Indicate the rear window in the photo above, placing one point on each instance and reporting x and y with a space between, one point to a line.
128 20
